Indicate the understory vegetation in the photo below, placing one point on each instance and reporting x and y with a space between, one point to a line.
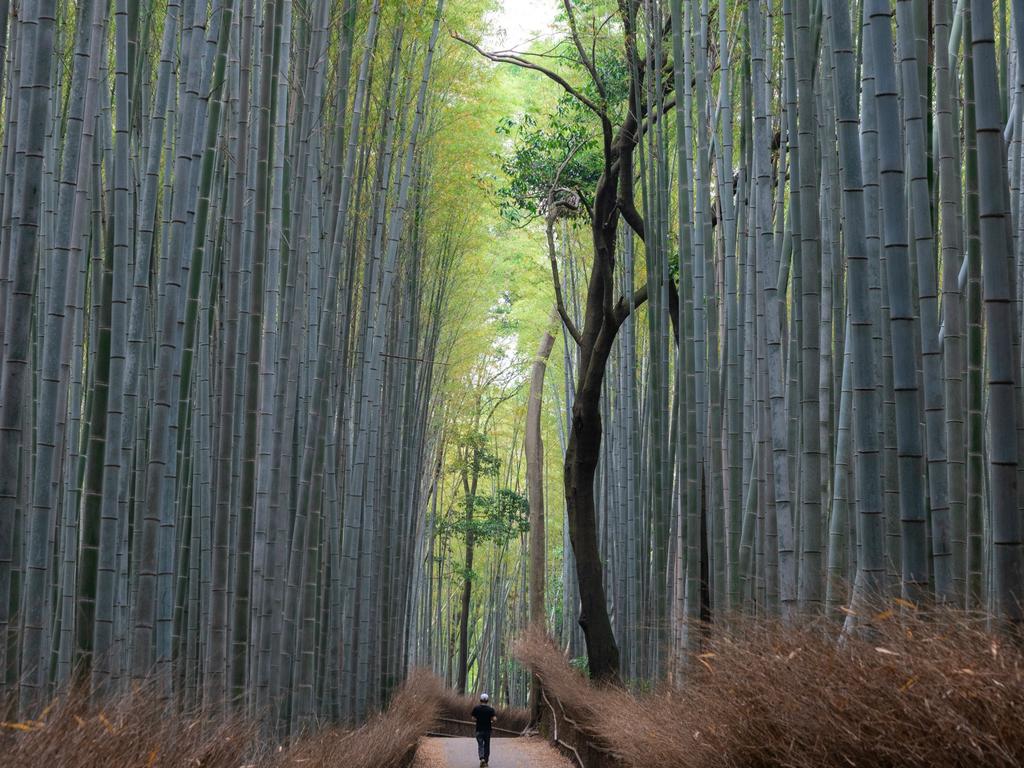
138 729
915 691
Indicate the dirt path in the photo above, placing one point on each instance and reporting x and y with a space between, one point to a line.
505 753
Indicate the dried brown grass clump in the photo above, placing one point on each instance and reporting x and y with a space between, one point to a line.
136 729
915 691
457 707
387 740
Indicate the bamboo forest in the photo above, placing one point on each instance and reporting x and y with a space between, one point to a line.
649 369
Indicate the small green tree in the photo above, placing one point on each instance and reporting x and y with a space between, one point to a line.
484 518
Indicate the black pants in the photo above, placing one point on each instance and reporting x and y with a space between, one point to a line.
483 745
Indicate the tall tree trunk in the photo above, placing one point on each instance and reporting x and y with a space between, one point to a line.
534 448
469 499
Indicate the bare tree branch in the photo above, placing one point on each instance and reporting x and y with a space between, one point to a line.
570 326
624 306
629 212
518 60
586 60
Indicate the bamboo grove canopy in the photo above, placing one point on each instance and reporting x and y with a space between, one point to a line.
263 307
222 262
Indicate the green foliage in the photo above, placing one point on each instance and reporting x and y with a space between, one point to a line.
539 150
563 147
496 517
501 315
474 457
581 664
506 513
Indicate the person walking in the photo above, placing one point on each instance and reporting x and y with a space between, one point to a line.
485 717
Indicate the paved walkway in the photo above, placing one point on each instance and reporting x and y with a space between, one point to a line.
520 752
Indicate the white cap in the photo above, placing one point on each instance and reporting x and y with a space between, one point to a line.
484 697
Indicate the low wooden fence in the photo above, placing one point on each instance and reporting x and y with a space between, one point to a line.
562 730
450 726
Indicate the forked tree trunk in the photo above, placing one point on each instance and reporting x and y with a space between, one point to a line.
582 454
603 315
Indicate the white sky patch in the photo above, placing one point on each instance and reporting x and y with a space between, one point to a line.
517 23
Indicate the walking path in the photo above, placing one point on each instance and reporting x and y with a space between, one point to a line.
523 752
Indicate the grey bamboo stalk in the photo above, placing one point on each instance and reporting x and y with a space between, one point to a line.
37 31
74 188
773 323
999 303
913 515
217 643
122 257
975 340
811 581
954 361
870 528
174 367
934 395
732 382
240 624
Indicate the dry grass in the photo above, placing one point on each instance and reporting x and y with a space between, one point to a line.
137 730
915 692
386 741
134 729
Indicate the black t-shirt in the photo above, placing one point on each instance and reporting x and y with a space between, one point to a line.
483 714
